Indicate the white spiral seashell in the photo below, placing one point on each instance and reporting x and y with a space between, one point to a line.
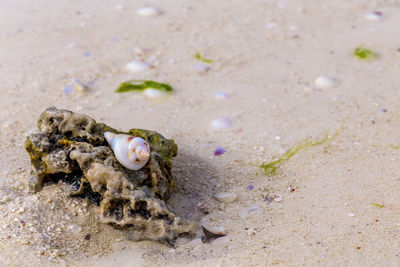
132 152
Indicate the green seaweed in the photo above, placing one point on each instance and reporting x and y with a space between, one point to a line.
395 146
377 205
271 167
141 85
364 53
202 59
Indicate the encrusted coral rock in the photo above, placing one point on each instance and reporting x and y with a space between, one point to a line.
71 147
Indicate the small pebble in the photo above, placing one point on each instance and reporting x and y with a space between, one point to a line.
86 54
212 229
221 123
78 86
153 93
350 214
219 151
149 11
278 198
221 95
325 82
250 187
137 66
225 197
75 229
374 16
68 89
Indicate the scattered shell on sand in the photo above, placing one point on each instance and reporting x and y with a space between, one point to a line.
75 229
68 89
221 95
373 16
78 86
221 123
225 197
137 66
219 151
325 82
212 229
153 93
149 11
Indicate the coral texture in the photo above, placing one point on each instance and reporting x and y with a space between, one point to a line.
71 147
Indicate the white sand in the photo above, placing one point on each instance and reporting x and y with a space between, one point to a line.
267 55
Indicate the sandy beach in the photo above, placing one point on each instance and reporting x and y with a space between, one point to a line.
283 73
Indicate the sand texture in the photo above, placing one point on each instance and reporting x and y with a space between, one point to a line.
333 204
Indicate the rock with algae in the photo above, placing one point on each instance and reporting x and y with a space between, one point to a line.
71 147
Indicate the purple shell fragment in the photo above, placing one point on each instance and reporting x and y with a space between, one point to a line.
219 151
68 89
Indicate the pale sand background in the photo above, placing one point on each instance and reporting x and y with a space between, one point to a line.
266 71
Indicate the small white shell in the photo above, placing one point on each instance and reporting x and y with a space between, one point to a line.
225 197
153 93
212 229
137 66
325 82
221 123
373 16
149 11
132 152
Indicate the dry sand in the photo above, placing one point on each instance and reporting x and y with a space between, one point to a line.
267 55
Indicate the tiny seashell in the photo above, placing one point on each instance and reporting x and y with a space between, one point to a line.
75 229
225 197
374 16
212 229
148 11
221 95
221 123
278 198
137 66
132 152
78 86
325 82
153 93
68 89
219 151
